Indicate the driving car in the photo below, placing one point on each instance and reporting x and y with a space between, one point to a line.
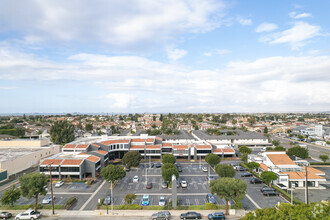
135 179
145 200
246 174
47 200
149 185
255 181
184 184
161 215
204 169
162 201
5 215
164 185
59 184
210 198
107 200
216 216
191 215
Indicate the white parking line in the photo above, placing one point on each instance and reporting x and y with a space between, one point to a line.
254 203
197 202
122 201
187 201
203 186
92 196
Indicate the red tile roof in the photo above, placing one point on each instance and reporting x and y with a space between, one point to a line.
227 150
180 147
82 146
153 146
69 146
263 166
280 159
137 147
302 175
115 142
159 138
93 159
203 147
167 145
71 162
103 152
138 140
52 162
150 140
218 150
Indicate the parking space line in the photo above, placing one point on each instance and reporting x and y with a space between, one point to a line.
203 186
254 203
122 201
187 201
196 187
197 202
92 196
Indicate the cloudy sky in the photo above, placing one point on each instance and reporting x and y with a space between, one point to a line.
164 56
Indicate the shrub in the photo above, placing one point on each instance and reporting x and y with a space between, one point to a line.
319 163
70 201
210 206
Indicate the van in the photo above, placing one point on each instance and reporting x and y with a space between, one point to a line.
145 200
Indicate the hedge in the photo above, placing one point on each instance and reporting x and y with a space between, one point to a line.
70 201
319 163
31 206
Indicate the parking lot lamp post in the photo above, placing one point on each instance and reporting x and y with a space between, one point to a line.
200 162
51 187
209 173
292 188
111 197
146 175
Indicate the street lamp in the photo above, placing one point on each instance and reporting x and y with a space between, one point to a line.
293 186
51 187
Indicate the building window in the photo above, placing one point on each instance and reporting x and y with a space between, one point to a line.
70 169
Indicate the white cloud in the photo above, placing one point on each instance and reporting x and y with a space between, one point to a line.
295 36
112 22
8 87
208 54
217 52
266 27
176 54
298 16
131 83
244 21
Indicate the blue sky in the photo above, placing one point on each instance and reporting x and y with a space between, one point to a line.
164 56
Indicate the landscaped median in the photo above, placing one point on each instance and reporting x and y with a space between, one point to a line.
286 195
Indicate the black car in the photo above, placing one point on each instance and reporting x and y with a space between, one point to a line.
149 185
266 188
151 165
255 181
191 215
5 215
161 215
179 168
246 174
239 168
270 193
216 216
127 168
158 165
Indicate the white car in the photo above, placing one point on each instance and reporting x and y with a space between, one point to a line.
47 200
59 184
184 184
135 179
162 201
28 214
204 169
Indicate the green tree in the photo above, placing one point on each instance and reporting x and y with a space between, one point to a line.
234 121
168 170
228 188
253 165
301 137
268 176
62 132
244 150
132 158
244 157
10 196
276 142
168 158
89 127
298 152
224 170
266 130
324 158
212 159
129 198
33 185
113 173
279 148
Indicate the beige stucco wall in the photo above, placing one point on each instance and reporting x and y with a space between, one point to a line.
24 143
26 161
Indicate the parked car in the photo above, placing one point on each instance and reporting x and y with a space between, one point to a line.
161 215
184 184
127 168
270 193
107 200
145 200
28 214
164 185
178 183
210 198
5 215
47 200
162 201
255 181
158 165
191 215
179 168
59 184
149 185
135 179
246 174
204 169
216 216
151 165
210 177
240 168
266 188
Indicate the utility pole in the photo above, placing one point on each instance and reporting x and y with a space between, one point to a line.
306 187
111 198
146 175
51 187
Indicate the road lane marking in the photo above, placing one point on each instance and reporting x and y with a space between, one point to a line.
92 196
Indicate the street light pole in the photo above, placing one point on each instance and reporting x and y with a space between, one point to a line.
292 188
51 187
111 198
306 186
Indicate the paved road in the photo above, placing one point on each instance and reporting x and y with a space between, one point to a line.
314 151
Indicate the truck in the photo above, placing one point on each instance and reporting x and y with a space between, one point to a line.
28 214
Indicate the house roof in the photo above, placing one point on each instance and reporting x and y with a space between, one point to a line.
103 152
301 175
115 142
280 159
167 145
153 146
138 140
52 162
72 162
315 171
137 146
203 147
150 140
69 146
228 150
180 147
263 166
93 158
84 146
218 150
